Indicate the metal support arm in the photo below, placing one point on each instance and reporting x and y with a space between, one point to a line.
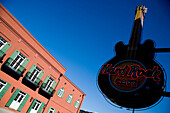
162 50
166 94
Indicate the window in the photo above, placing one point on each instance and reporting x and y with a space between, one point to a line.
51 110
69 98
60 92
18 100
47 88
15 65
48 85
36 106
4 46
77 103
34 75
2 85
3 42
17 62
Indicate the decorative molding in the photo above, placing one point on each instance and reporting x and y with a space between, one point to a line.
19 40
6 38
24 53
28 44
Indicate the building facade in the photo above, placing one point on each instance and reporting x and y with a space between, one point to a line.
31 79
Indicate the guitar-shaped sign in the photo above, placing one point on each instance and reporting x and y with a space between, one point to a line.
133 79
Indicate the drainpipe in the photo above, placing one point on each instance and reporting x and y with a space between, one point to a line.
80 103
53 93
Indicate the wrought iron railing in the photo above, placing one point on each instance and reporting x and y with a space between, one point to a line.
50 90
37 81
20 70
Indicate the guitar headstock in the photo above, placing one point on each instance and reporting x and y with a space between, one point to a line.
140 12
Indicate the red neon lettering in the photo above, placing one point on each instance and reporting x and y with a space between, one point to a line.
124 82
109 69
153 73
133 71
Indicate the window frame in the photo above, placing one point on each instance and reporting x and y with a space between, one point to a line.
4 84
22 102
18 99
5 45
35 74
49 84
2 42
21 56
33 106
4 88
51 110
61 92
69 98
77 103
37 105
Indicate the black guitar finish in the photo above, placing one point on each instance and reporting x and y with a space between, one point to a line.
133 79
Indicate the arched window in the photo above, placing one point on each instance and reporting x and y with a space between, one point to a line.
61 92
51 110
77 103
69 98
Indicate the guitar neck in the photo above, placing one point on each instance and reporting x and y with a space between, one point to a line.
137 27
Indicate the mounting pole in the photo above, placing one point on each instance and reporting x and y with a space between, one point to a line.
133 110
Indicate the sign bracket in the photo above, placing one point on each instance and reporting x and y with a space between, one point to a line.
162 50
166 94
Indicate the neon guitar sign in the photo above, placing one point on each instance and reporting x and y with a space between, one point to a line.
133 79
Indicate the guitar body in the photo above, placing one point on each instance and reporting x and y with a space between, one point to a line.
143 51
122 81
133 79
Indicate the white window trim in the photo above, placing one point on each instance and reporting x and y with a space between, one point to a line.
12 67
3 85
61 92
33 109
52 110
37 70
15 104
49 84
3 44
69 98
77 103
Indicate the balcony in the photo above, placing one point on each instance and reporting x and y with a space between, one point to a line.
16 74
32 84
46 93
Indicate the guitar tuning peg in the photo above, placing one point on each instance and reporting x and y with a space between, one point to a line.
145 10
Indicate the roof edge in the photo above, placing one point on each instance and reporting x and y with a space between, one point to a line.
31 36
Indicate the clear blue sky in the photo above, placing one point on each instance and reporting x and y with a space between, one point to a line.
81 35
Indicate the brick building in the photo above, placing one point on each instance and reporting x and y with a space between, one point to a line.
31 79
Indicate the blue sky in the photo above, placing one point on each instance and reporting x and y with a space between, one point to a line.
81 35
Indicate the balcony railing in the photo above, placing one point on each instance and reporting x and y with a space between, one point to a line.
12 72
46 93
32 84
